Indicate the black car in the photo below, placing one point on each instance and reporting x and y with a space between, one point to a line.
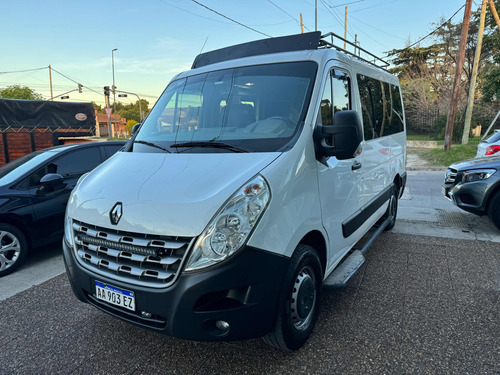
474 186
34 191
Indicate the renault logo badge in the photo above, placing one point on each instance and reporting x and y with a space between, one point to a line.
116 213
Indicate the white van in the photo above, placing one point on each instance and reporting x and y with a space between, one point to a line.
242 194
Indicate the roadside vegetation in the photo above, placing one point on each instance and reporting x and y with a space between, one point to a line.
426 73
440 157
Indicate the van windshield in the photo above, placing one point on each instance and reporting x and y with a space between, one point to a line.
248 109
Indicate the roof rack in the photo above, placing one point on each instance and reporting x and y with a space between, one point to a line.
323 43
299 42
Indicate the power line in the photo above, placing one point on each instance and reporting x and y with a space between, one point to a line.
194 14
336 17
22 71
292 17
72 80
375 5
373 27
436 29
230 19
341 5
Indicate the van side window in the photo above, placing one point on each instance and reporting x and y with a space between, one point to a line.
381 107
341 88
325 115
365 85
336 96
396 109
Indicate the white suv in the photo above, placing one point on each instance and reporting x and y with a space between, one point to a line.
242 194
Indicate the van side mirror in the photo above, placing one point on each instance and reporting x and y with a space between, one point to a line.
135 128
341 139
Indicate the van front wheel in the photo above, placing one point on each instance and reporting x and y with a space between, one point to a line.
392 209
299 301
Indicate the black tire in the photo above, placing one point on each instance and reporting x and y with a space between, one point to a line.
392 210
13 250
494 209
298 301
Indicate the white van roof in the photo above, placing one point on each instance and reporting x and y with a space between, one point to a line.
301 47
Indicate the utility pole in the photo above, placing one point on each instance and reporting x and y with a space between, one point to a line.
315 15
50 79
472 88
301 25
355 42
495 14
114 87
458 74
345 26
106 100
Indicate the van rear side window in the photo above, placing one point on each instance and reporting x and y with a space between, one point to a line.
381 107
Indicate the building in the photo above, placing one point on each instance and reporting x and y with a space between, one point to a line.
102 125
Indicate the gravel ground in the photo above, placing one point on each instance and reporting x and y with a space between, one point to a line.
415 163
419 305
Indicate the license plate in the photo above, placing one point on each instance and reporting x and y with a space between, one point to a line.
114 295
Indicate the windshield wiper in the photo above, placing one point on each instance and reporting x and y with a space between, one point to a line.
153 145
225 146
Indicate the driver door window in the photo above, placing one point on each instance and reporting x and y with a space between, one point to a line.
336 96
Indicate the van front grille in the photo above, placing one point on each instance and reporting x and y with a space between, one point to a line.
140 259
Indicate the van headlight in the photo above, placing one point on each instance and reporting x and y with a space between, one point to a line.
230 228
68 230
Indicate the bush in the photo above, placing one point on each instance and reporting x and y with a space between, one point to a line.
130 124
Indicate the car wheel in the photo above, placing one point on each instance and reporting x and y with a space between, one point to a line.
392 210
494 209
298 302
13 248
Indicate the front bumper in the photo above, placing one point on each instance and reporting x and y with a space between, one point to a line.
242 291
472 196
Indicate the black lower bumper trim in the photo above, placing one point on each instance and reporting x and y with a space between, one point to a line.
242 291
157 324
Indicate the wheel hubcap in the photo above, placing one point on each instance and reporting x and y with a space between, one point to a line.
303 298
10 249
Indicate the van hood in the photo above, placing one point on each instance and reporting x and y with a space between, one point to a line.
163 194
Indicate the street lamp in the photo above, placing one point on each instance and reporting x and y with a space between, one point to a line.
114 87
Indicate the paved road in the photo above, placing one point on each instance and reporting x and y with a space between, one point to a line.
424 210
419 305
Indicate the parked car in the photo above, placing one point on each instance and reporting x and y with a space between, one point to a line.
34 190
242 194
489 146
474 186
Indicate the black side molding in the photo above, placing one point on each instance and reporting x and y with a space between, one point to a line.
352 224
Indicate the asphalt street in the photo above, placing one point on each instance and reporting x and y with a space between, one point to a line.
421 304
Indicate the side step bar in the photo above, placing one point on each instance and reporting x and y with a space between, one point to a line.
341 275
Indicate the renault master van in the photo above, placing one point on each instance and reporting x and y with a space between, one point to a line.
243 194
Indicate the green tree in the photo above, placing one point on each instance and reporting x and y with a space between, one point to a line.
130 124
131 111
20 92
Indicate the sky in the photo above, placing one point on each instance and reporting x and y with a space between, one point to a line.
156 39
